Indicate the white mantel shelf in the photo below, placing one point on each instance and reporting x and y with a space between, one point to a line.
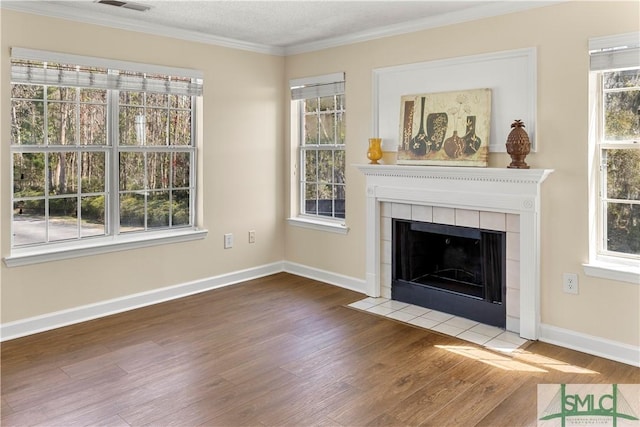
514 191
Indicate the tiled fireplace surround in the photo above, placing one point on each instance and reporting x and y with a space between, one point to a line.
488 198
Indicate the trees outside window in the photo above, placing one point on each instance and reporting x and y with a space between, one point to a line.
98 152
319 132
615 142
620 162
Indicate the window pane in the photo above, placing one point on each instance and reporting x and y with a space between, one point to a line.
93 216
21 91
132 171
339 166
623 173
311 129
131 212
131 98
132 126
325 166
311 165
181 167
62 93
180 208
311 105
158 169
29 226
156 126
158 209
327 103
180 101
180 128
325 200
62 123
96 96
622 105
93 124
93 172
621 79
155 99
340 201
310 198
341 120
63 219
63 173
27 122
623 228
327 128
28 174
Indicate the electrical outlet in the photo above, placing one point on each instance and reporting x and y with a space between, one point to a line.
570 283
252 236
228 241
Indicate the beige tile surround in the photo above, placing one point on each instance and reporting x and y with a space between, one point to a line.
495 221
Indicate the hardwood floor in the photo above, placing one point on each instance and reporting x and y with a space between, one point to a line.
278 351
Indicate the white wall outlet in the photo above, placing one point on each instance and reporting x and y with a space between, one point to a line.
252 236
228 240
570 283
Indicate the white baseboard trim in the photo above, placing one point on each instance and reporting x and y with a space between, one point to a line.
346 282
46 322
590 344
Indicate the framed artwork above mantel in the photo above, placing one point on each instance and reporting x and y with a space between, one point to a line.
509 75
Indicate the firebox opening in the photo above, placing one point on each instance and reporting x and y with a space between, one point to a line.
458 270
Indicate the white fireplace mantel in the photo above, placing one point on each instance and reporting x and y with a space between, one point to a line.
512 191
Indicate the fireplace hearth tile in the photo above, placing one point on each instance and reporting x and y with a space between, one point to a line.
438 316
486 330
423 322
512 338
402 316
459 327
461 322
415 310
381 310
396 305
503 346
448 329
474 337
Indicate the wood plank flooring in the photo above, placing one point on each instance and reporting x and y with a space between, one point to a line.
277 351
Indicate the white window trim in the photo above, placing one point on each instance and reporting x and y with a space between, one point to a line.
319 224
296 218
603 266
29 255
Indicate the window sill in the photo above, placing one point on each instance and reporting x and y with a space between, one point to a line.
28 256
316 224
603 270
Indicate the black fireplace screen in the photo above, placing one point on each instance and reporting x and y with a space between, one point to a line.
454 262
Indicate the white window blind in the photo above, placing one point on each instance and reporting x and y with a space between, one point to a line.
614 52
317 87
50 68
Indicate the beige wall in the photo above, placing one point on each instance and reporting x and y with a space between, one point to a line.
245 177
606 309
241 169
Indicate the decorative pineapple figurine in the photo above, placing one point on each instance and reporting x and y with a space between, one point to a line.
518 145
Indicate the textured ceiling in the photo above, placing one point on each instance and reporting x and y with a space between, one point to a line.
277 24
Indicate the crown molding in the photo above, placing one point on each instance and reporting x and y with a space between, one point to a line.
466 15
478 12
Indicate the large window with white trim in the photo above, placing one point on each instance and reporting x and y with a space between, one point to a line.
615 136
320 113
100 149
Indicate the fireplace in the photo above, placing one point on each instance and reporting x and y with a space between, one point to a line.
449 268
498 199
